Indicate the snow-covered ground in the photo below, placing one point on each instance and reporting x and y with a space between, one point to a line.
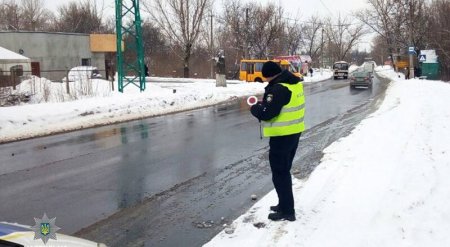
386 184
92 102
386 71
352 68
318 75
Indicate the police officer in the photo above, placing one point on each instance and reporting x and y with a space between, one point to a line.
281 111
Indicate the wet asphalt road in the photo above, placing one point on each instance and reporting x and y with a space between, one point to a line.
166 180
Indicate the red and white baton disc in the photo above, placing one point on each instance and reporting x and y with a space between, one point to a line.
252 100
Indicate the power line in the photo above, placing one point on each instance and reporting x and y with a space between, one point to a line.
326 7
319 23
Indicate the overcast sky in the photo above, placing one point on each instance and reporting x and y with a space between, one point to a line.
322 7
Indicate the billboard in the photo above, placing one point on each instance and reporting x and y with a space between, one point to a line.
103 43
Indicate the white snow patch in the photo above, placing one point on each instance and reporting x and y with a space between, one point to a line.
386 184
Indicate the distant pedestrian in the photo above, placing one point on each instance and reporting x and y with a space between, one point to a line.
281 111
146 70
311 72
417 72
305 69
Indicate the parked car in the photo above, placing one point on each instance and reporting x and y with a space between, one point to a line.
361 78
83 72
16 235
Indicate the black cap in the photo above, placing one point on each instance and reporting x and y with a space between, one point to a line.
270 69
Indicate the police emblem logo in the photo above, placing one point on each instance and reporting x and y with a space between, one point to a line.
45 228
269 98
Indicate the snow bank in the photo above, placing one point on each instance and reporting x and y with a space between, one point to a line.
386 184
387 72
320 75
352 68
43 90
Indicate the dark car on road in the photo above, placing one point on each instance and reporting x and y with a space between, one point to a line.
361 78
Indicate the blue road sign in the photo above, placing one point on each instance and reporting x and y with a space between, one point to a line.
422 58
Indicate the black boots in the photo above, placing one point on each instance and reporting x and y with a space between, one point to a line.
281 216
278 215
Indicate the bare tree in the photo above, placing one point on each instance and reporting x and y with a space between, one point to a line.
205 38
343 36
254 31
401 23
34 16
9 15
155 49
312 34
79 17
232 32
235 28
294 37
381 18
439 33
411 23
266 29
206 47
180 21
379 49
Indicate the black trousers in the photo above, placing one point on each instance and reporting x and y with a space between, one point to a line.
281 154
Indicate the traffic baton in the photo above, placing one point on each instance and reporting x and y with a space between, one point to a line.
252 100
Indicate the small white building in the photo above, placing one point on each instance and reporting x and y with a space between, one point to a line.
12 67
10 59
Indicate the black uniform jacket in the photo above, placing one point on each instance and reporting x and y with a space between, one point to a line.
275 96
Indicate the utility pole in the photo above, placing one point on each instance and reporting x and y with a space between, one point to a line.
135 49
411 26
246 56
321 49
212 48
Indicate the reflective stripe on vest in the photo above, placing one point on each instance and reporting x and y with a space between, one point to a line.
298 108
281 124
291 118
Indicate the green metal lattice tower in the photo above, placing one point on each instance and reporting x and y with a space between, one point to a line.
130 61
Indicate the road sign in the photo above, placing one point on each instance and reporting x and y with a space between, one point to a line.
411 50
422 58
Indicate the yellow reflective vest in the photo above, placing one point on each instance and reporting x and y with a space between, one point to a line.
290 120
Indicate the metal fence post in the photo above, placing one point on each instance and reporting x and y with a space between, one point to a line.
112 82
13 74
67 81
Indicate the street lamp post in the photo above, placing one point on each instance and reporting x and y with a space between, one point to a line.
321 49
212 47
411 26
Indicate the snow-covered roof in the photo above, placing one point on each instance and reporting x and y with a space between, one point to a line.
10 56
430 56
